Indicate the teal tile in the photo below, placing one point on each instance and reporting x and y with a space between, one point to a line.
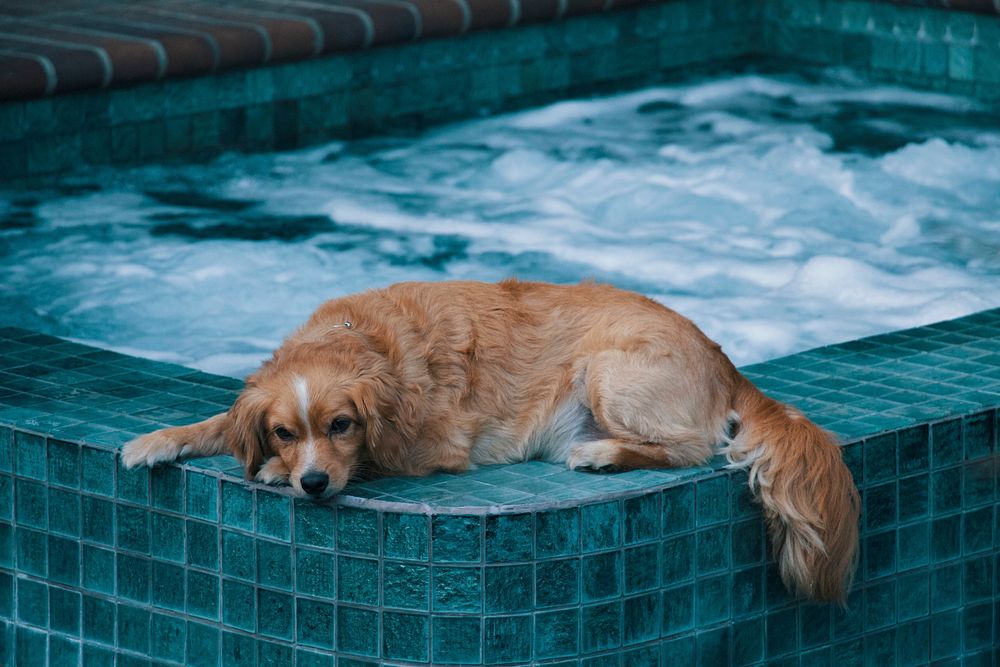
405 636
556 633
642 568
509 537
747 591
32 504
357 530
273 515
274 565
314 524
946 443
6 545
678 559
63 652
202 494
880 605
781 632
405 536
97 474
167 487
713 547
99 620
168 589
30 455
713 598
132 528
64 611
315 573
202 544
678 651
678 610
557 582
133 574
6 449
456 539
712 500
6 497
357 580
133 629
33 643
507 639
64 512
914 497
273 654
456 641
202 595
64 463
97 567
6 595
357 631
96 656
454 589
678 509
314 623
508 588
241 651
32 551
914 449
237 505
202 644
946 635
97 520
167 537
602 576
238 555
914 546
557 532
601 526
133 485
33 603
167 637
239 605
406 586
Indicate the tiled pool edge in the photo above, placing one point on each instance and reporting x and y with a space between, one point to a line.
383 89
686 551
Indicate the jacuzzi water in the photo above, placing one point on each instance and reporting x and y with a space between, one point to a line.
779 212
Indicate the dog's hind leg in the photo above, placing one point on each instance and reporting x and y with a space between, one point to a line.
205 438
658 412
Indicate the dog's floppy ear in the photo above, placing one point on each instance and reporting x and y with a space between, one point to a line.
387 417
247 435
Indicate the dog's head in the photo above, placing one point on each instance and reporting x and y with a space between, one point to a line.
322 418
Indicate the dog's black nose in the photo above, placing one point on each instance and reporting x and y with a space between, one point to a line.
314 483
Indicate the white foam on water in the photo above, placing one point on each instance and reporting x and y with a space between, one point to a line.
778 212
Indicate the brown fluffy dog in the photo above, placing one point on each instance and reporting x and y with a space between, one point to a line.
420 377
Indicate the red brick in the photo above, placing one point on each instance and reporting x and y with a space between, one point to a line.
187 52
76 68
342 30
22 76
489 13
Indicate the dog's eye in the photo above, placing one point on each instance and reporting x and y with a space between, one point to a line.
284 434
339 425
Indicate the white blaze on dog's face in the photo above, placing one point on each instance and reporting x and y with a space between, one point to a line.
314 427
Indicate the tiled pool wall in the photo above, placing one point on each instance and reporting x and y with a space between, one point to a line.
411 85
522 564
363 92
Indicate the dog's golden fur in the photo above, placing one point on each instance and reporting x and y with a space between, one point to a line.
444 376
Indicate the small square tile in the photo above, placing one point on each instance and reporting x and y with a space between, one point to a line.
642 518
167 487
33 603
642 618
405 536
237 505
64 560
97 520
508 588
167 637
456 539
241 651
273 515
880 605
713 599
132 528
678 561
30 454
713 546
202 544
712 500
914 497
357 530
133 575
601 526
557 582
273 654
748 591
133 629
133 485
357 580
98 471
642 568
64 463
168 537
315 573
946 540
202 595
238 555
239 605
275 612
202 644
946 443
64 512
32 551
32 506
456 641
202 494
64 611
168 586
98 624
457 589
406 586
314 524
314 623
405 636
557 532
509 537
678 509
678 609
274 565
98 569
357 631
602 576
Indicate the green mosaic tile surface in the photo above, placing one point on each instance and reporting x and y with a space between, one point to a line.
521 564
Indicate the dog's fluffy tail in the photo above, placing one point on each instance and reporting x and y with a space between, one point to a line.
808 496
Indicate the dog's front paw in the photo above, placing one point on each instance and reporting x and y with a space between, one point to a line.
152 448
595 456
273 472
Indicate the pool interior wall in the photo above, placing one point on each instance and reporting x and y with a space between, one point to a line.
520 564
524 564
